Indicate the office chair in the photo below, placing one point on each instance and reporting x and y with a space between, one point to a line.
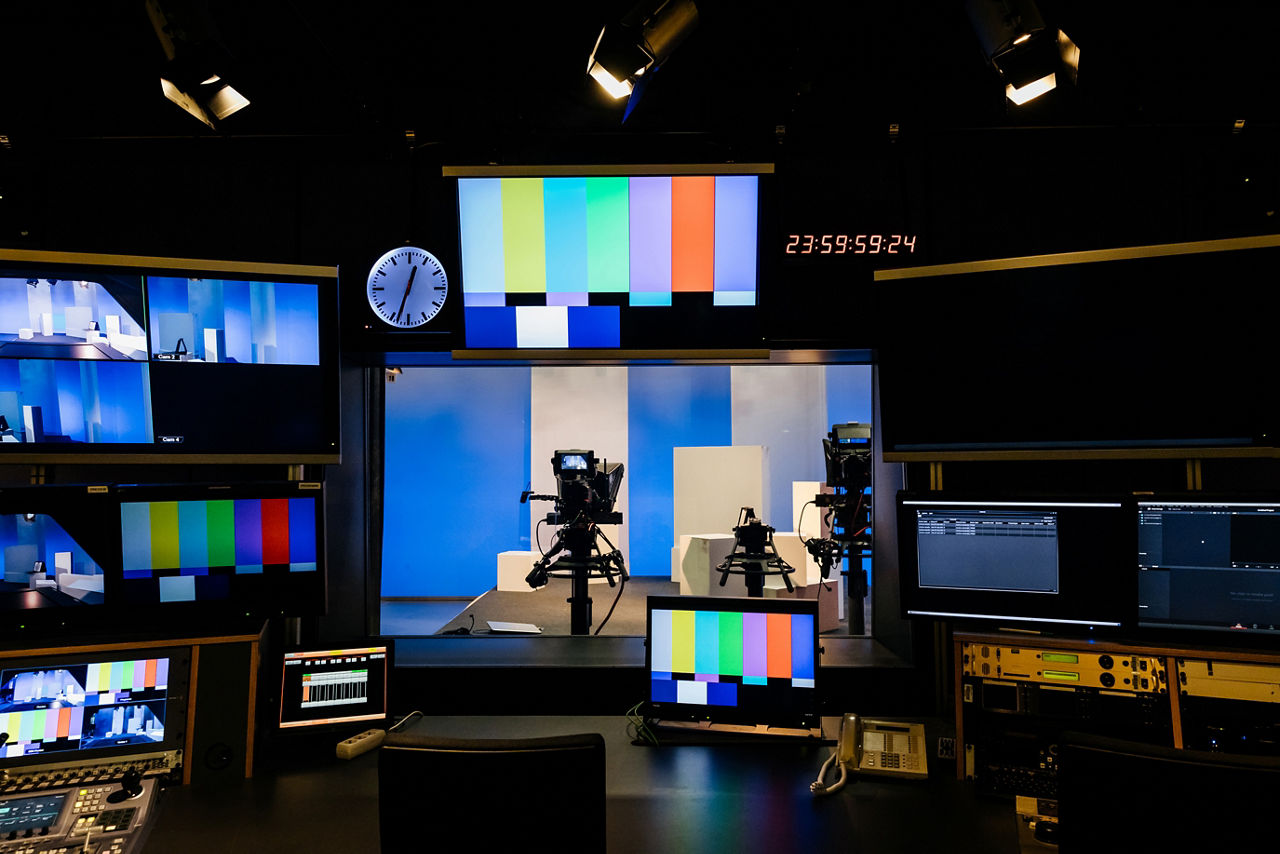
1116 795
532 794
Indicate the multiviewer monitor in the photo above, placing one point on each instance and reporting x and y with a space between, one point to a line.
1209 565
67 709
733 660
136 359
255 549
328 687
1016 561
607 257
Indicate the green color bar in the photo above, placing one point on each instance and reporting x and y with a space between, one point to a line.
126 677
682 641
1061 674
524 247
608 243
1061 657
222 533
730 643
164 535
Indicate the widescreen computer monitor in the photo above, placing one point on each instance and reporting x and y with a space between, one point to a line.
252 549
607 257
1209 564
327 687
1019 561
737 661
75 708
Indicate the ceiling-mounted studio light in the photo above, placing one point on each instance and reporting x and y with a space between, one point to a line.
192 76
627 54
1030 57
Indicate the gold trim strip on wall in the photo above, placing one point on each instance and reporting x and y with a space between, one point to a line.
28 256
606 170
1063 258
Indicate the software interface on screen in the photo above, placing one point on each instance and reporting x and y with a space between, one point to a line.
71 708
333 686
211 549
559 262
1209 565
752 663
988 548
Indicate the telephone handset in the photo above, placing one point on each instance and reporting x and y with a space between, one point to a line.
875 747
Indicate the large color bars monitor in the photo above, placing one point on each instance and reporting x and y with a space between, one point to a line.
1210 565
563 260
259 546
732 660
71 707
1017 561
323 687
136 359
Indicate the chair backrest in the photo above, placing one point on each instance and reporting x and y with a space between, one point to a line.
531 794
1116 795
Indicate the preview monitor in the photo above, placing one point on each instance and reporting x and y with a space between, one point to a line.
1029 562
255 549
332 687
609 257
1209 564
74 708
737 661
139 359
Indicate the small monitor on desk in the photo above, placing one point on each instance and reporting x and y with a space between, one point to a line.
733 663
329 687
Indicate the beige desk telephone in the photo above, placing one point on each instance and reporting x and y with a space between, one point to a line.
875 747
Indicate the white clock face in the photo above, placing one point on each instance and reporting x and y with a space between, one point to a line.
407 287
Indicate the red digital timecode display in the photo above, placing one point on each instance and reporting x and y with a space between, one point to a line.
851 244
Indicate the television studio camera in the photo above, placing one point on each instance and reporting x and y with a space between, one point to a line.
847 449
586 490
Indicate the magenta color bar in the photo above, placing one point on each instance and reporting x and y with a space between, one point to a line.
561 298
650 213
755 646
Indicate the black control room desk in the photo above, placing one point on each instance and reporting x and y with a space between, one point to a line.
688 797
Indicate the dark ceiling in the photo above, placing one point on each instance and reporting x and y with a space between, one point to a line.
467 72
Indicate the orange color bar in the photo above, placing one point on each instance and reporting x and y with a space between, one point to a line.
693 233
778 631
64 722
149 678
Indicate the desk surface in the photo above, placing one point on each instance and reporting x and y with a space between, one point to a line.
701 797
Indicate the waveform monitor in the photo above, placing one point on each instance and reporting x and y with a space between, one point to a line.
331 687
1014 560
1210 565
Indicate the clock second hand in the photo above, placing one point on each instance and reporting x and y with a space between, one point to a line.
413 272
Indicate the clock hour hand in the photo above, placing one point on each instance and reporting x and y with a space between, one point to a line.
413 272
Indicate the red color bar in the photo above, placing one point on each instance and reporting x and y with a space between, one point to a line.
778 632
64 722
149 678
693 233
275 530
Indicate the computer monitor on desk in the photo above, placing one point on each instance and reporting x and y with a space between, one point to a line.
333 688
744 665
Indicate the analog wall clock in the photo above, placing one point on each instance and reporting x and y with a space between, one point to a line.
407 287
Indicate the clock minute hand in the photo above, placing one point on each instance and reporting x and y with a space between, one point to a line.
413 272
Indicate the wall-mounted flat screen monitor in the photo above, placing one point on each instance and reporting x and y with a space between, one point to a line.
1209 564
334 686
68 709
734 661
1135 352
252 549
137 359
613 257
57 546
1030 562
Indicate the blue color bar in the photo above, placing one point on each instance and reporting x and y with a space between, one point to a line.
480 227
490 327
594 326
802 635
302 530
248 532
564 211
737 201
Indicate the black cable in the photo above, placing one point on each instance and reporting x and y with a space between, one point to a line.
621 585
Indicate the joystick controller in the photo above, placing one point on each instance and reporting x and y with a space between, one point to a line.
130 787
